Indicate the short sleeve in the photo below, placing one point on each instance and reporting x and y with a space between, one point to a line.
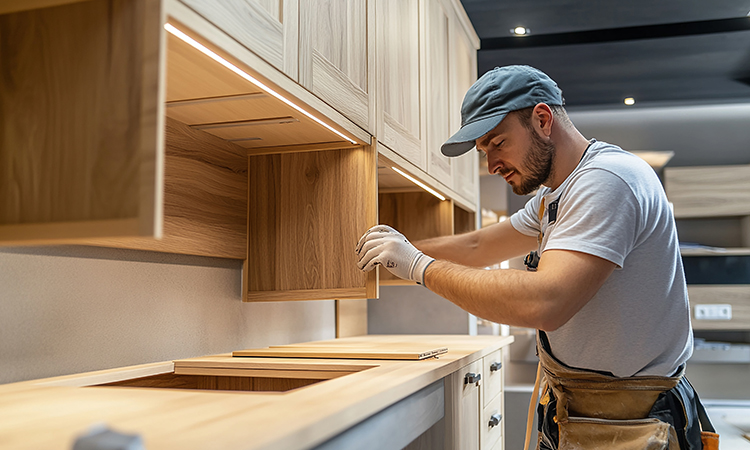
598 214
526 220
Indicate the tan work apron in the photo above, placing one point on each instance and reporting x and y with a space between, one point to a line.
597 411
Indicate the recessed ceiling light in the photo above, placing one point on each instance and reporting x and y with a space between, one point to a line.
629 101
520 31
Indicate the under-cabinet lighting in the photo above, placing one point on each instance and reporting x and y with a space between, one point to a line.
206 51
420 184
630 101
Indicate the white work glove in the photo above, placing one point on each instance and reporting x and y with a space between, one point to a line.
383 245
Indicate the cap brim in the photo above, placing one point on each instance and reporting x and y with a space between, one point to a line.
464 139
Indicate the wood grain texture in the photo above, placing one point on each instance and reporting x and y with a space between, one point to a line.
737 295
193 75
463 73
260 373
399 84
210 97
12 6
192 420
212 382
210 35
708 191
256 24
80 138
205 198
437 37
417 215
463 221
297 240
335 56
344 353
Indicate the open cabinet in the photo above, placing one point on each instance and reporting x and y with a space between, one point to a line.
144 125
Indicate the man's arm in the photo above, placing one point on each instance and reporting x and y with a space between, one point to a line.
546 299
480 248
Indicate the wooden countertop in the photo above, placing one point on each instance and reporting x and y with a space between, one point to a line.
51 413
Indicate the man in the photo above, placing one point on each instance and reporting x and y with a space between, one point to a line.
604 285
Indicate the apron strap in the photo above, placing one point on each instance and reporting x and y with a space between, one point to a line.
532 406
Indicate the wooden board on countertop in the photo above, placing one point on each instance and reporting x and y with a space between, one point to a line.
393 352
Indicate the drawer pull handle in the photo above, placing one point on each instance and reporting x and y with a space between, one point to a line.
495 366
495 420
472 378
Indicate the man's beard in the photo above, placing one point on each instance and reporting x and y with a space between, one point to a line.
538 162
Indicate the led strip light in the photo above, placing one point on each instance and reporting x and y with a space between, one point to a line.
419 183
206 51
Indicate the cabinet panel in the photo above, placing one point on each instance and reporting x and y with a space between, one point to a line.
268 28
708 191
398 84
463 74
418 215
307 213
437 97
82 120
336 53
463 409
737 295
493 376
205 198
492 423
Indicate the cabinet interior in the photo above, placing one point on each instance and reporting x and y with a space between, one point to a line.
219 382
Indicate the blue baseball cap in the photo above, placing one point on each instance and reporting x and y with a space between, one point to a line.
493 96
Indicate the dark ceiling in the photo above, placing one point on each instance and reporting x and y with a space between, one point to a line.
600 52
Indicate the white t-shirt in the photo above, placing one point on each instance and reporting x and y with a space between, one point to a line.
614 207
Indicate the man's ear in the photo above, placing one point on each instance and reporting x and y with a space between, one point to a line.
542 119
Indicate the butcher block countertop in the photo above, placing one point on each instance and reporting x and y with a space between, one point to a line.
50 413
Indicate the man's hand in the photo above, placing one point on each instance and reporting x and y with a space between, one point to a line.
383 245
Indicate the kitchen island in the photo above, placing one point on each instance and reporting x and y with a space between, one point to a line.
453 400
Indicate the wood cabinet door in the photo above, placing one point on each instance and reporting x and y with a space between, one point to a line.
269 28
463 408
398 84
81 121
463 73
336 53
437 36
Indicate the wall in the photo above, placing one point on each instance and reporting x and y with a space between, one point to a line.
700 135
71 309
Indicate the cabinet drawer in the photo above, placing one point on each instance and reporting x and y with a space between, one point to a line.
735 295
492 374
491 424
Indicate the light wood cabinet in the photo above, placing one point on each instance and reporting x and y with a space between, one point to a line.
463 73
268 28
437 110
81 148
736 295
337 55
266 109
463 406
399 80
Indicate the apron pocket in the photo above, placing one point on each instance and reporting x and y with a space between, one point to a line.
638 434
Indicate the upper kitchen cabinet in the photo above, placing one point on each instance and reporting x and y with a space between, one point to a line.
337 53
438 36
399 82
463 73
81 120
269 28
